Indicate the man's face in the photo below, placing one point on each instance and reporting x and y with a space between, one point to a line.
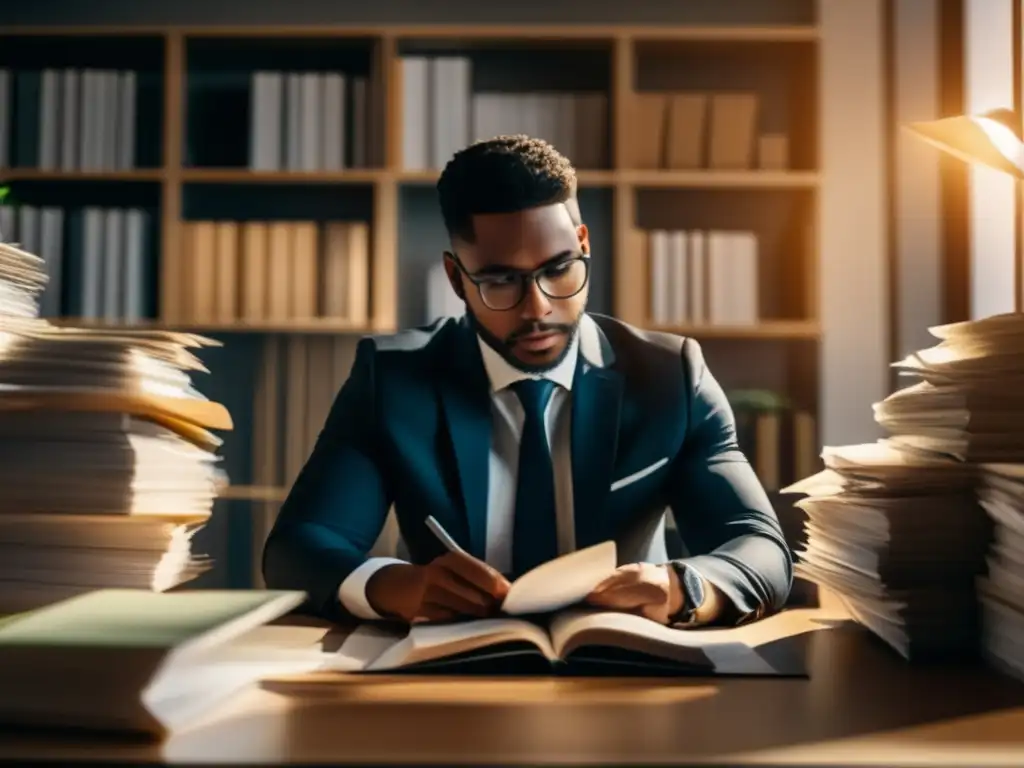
535 332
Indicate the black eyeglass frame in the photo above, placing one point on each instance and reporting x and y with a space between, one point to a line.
525 278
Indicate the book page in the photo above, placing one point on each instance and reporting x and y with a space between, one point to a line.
700 647
427 642
562 582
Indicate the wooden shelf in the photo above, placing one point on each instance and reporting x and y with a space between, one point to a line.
311 326
769 329
525 32
585 178
709 179
244 176
33 174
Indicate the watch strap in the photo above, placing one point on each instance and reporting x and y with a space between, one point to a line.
692 587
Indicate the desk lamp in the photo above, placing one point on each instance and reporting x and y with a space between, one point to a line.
991 139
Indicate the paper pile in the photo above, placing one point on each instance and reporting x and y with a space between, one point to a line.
955 453
107 464
22 280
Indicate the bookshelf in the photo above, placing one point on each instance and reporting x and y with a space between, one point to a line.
194 152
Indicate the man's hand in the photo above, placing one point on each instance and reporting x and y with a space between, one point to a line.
451 586
651 591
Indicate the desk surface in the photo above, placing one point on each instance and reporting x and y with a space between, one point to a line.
861 706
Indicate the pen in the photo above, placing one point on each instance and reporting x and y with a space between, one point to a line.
443 536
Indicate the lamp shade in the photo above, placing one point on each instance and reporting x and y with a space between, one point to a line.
986 139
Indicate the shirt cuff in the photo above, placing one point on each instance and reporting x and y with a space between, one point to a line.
352 592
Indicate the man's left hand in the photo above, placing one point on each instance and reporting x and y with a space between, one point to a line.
645 589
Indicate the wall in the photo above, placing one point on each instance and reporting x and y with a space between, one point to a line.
854 220
917 180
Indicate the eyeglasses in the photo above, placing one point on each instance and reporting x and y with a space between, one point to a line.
503 291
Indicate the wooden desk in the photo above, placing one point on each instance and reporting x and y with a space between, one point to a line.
861 706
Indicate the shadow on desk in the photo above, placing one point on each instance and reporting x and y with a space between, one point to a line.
860 703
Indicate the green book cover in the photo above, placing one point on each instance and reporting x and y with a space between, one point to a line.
125 618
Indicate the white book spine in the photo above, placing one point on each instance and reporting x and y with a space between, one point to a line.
312 109
134 289
745 257
484 116
440 110
49 120
698 255
332 150
71 120
8 231
257 116
293 125
126 96
51 249
416 113
111 107
659 277
113 267
719 278
461 98
92 263
87 118
680 278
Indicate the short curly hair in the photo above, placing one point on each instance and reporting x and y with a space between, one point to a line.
503 175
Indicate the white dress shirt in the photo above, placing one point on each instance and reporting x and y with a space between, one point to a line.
507 418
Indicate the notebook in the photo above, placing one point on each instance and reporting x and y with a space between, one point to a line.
139 661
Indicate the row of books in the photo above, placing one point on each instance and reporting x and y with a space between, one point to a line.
685 131
780 443
705 278
277 271
96 260
309 121
442 114
68 120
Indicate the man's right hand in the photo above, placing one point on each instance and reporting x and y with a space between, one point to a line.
452 586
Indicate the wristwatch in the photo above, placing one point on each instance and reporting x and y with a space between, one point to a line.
694 596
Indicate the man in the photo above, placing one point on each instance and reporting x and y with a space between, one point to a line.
527 429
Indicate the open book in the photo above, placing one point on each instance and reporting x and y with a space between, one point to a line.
545 630
573 642
139 661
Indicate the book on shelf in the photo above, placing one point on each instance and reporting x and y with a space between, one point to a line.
702 277
95 258
275 271
442 114
140 662
309 122
697 130
69 119
544 629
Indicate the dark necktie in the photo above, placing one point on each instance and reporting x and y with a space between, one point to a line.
535 538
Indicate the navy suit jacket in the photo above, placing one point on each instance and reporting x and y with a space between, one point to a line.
412 427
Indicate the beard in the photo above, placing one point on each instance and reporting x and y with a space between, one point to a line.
504 347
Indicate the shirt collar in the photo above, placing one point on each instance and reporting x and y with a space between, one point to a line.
503 374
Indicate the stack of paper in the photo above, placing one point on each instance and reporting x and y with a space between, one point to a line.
22 280
107 464
901 539
955 452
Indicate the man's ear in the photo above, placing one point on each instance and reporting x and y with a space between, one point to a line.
454 274
583 234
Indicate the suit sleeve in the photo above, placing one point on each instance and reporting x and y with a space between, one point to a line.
339 503
721 509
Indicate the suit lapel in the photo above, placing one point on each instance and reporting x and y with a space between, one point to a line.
465 396
596 405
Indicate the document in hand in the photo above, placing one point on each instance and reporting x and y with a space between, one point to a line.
545 630
139 661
